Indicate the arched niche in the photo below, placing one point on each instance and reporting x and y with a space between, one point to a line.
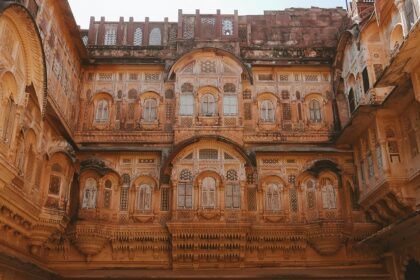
18 28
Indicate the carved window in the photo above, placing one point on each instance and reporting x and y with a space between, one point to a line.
365 77
189 26
186 106
186 175
392 144
185 195
267 111
227 27
252 199
369 159
329 200
285 94
30 164
138 37
232 175
287 112
208 105
310 194
362 171
315 111
294 207
9 119
20 159
208 66
273 198
85 40
150 110
107 194
208 154
110 36
352 101
232 196
89 194
229 87
379 157
124 192
208 193
164 199
144 199
102 111
55 185
155 38
208 27
230 105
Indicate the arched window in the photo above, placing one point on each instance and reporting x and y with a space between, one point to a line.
138 37
102 111
267 111
232 190
273 198
352 101
329 200
208 193
208 106
314 111
310 194
110 36
185 190
149 110
107 194
186 106
144 200
230 105
30 162
155 38
8 120
89 194
20 155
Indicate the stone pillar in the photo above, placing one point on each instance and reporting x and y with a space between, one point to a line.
120 32
101 32
146 32
92 32
197 32
130 32
180 23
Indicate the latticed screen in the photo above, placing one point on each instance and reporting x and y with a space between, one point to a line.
164 199
208 154
293 200
124 199
252 199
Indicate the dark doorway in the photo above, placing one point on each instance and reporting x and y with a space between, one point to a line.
412 271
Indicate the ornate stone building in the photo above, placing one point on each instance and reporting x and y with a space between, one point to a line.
282 145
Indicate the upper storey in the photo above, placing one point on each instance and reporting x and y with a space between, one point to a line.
275 36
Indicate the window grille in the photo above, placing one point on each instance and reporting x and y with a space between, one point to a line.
155 38
208 154
138 37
